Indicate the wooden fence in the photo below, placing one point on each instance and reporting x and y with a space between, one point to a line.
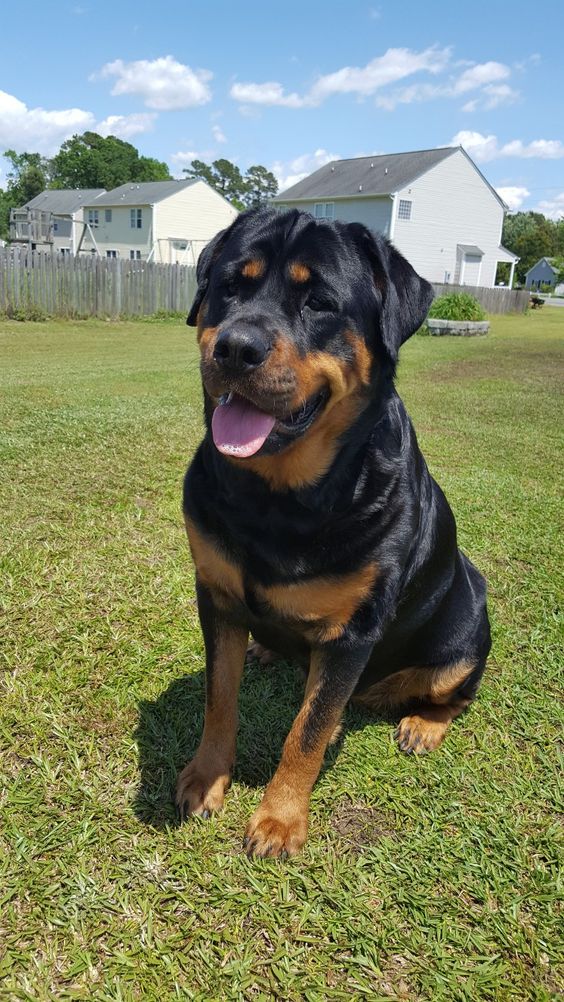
498 300
58 285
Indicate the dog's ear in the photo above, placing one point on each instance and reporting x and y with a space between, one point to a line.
203 269
404 297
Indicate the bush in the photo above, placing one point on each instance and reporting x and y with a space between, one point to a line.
457 306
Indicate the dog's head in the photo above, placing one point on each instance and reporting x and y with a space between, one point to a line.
298 322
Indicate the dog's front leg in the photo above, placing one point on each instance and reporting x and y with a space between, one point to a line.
279 826
202 784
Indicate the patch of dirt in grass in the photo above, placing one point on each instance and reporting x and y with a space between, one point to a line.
360 825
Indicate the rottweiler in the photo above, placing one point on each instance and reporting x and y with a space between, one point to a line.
313 520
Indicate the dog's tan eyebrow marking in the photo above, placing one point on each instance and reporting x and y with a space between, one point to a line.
299 272
254 268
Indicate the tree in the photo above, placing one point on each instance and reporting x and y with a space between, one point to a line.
532 236
93 161
261 186
255 188
27 176
223 176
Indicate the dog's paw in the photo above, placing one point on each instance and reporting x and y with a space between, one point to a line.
275 834
418 734
200 790
264 656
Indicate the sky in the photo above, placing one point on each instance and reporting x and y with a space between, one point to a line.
294 85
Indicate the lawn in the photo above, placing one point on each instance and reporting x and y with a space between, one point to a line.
424 878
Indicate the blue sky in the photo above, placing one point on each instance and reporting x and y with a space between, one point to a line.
294 85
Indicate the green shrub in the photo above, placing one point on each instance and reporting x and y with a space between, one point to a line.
457 306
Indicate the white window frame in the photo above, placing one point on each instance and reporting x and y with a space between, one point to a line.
112 254
136 219
324 210
107 215
134 255
93 218
405 208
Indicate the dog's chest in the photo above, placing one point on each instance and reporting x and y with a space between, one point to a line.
316 606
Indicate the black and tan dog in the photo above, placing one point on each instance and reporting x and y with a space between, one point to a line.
312 518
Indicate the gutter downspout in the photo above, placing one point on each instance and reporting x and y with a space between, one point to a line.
393 216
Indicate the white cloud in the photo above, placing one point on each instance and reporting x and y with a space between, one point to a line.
394 65
289 173
270 93
125 126
218 134
483 148
480 75
23 128
164 83
553 208
513 196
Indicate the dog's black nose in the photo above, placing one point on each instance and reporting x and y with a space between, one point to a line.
241 349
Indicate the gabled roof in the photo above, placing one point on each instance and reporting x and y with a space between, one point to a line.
379 175
550 262
63 201
144 193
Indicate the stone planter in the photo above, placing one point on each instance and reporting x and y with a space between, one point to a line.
465 328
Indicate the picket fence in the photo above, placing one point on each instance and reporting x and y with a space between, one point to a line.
498 300
58 285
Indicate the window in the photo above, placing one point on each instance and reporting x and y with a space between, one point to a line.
55 226
111 253
404 211
136 219
93 217
135 255
324 210
107 215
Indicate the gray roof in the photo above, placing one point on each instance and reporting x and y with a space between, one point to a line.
550 262
144 193
380 175
63 201
471 249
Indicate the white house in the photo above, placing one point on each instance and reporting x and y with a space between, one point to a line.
435 205
53 220
166 221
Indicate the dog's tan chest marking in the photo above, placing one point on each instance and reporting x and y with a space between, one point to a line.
320 607
215 572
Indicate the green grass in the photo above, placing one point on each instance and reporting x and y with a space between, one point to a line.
423 878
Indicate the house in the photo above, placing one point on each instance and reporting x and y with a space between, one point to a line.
435 205
53 220
164 221
544 272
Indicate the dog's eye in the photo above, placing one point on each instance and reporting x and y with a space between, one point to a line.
317 304
231 287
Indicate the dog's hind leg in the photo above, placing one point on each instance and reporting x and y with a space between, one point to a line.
435 697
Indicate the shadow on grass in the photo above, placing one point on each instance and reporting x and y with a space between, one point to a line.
169 730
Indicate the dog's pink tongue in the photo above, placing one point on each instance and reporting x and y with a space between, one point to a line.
239 428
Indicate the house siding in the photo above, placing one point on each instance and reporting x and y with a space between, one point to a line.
195 215
451 204
540 274
190 216
119 235
375 212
